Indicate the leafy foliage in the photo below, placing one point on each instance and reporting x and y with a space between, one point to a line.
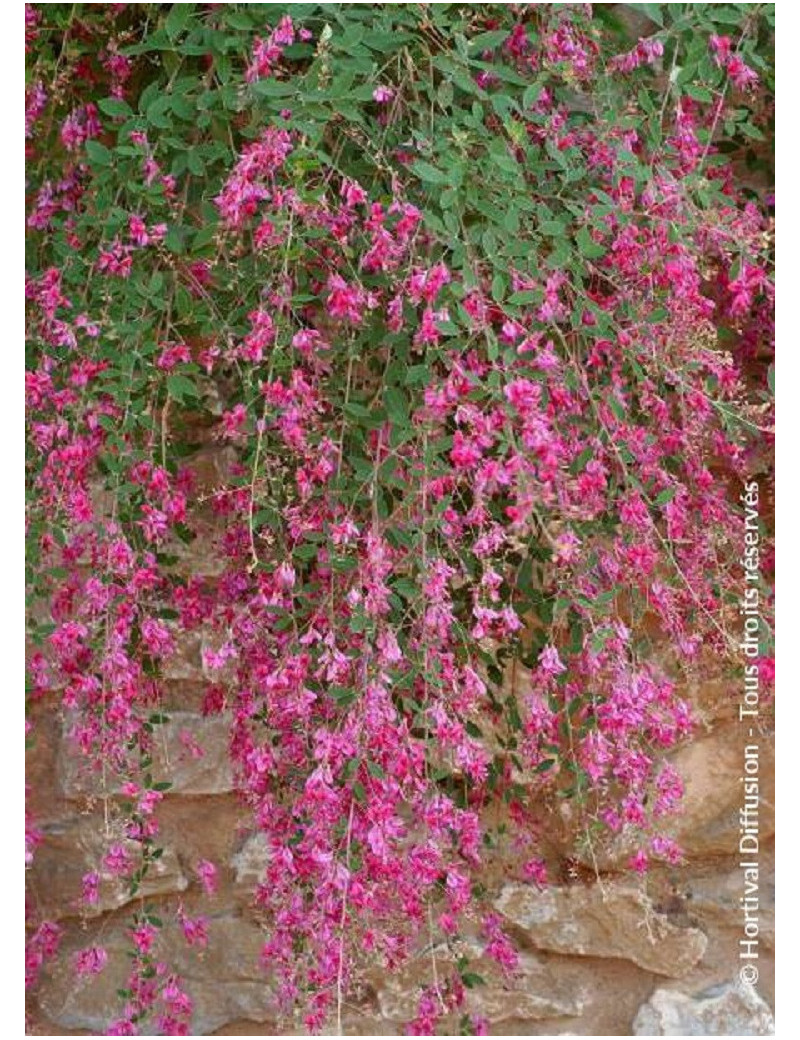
472 310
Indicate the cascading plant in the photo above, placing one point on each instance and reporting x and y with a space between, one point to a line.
475 302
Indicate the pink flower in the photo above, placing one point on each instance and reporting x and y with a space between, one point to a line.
766 670
646 52
465 453
115 260
207 873
179 1003
345 301
535 870
116 860
260 338
382 94
195 929
266 53
123 1027
352 193
233 421
499 947
157 637
285 575
567 546
667 849
144 936
148 801
523 394
720 47
251 178
172 355
90 884
90 961
511 331
550 664
743 77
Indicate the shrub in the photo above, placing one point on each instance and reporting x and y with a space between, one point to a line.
475 302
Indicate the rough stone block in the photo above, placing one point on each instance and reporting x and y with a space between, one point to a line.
608 920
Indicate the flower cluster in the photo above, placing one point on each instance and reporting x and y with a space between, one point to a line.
476 386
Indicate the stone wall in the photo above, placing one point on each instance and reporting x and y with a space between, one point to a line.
607 955
601 956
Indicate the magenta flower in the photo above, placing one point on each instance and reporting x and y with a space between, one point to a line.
91 961
550 664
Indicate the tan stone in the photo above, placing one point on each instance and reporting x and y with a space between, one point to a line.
210 774
200 558
76 846
724 1010
206 827
362 1023
707 821
711 768
608 920
250 861
185 664
226 981
211 466
533 993
173 761
43 794
714 899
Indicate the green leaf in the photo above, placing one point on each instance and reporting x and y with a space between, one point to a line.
553 228
600 638
157 112
532 92
727 15
178 19
444 93
587 246
698 93
505 162
665 496
195 163
276 88
98 154
751 131
426 172
524 296
343 695
356 410
175 239
653 12
487 41
180 387
396 405
578 464
112 106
